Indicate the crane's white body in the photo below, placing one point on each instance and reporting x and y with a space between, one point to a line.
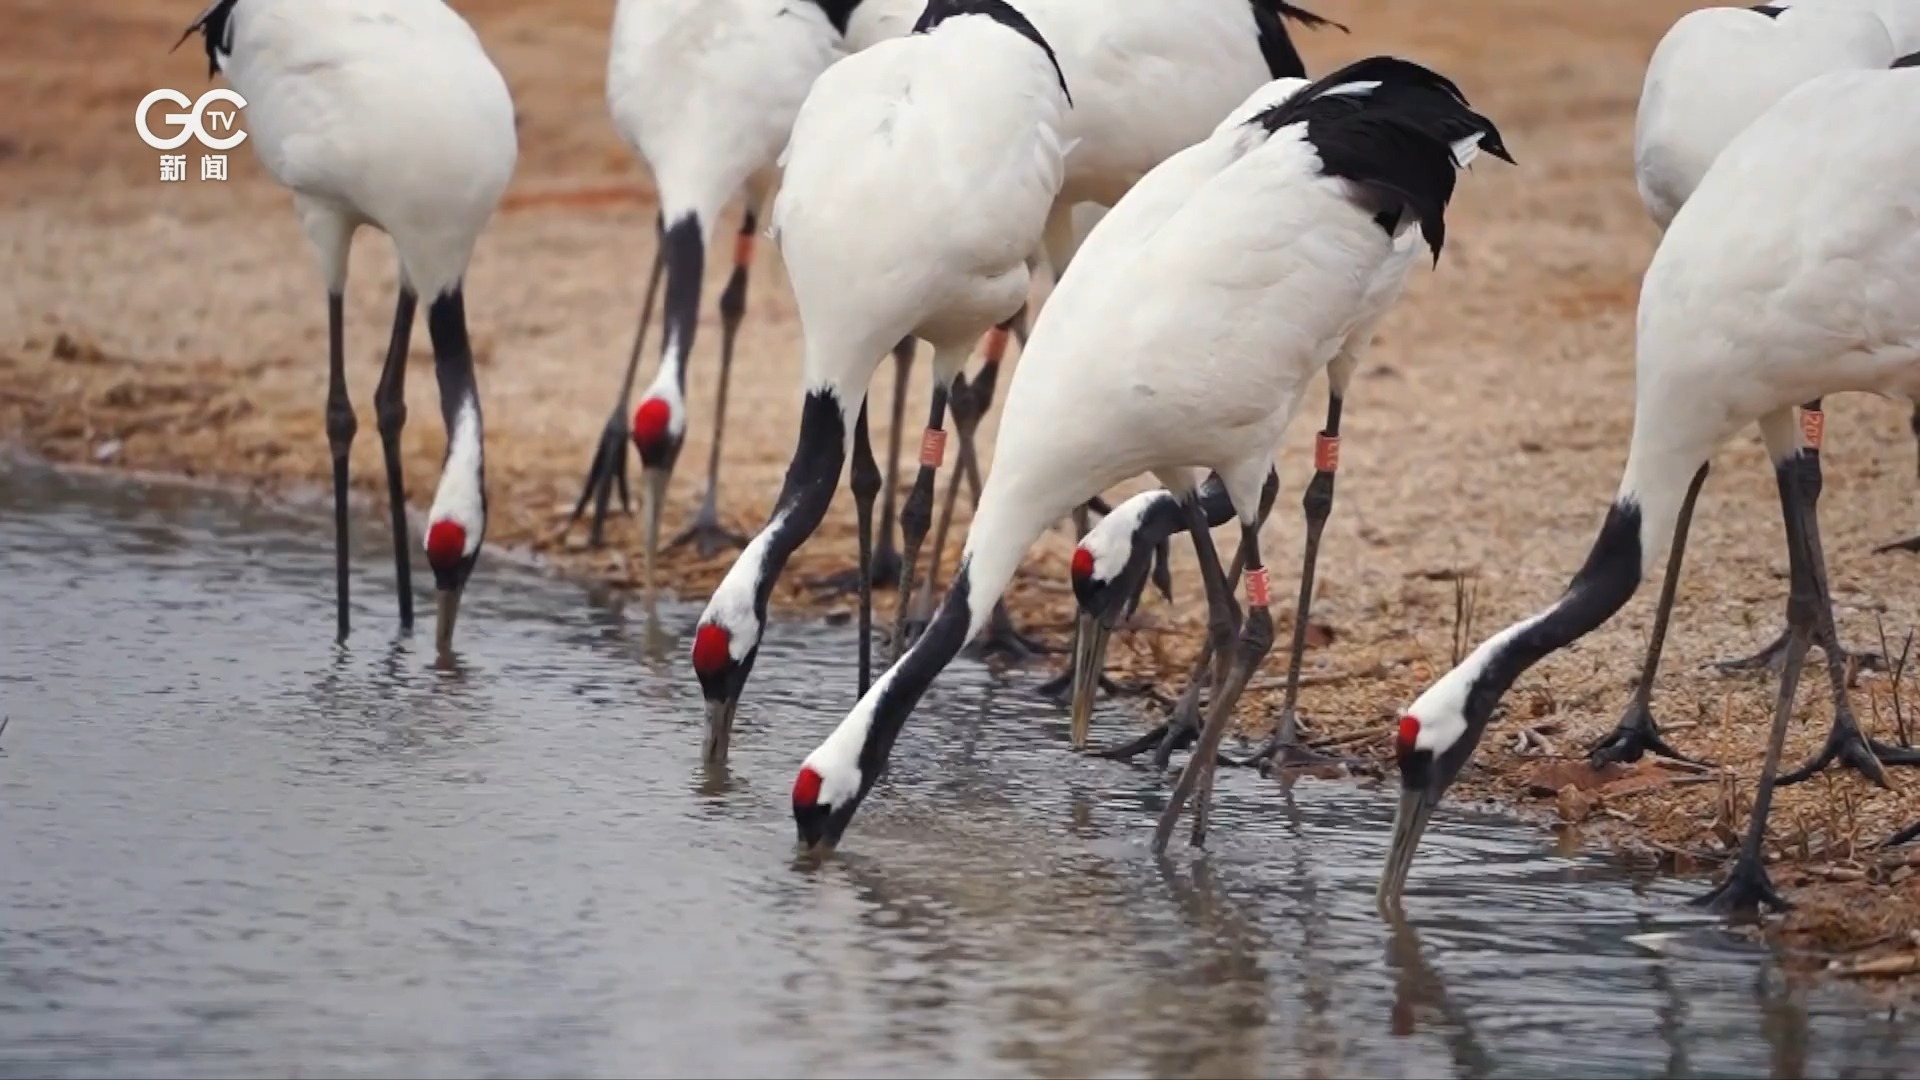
917 183
705 92
1902 17
1718 69
1149 78
1208 299
1789 276
376 112
385 113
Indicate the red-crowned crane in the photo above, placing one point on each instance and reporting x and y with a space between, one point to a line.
385 113
1712 74
1383 289
1205 56
705 92
1788 275
918 180
1199 311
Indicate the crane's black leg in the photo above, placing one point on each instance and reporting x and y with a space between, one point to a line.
1223 622
340 428
960 400
1248 650
1904 836
1747 886
1284 748
609 467
1845 743
886 559
706 534
863 476
916 517
1636 733
390 412
1813 424
1911 543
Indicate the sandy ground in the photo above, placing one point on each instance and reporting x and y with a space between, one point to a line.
181 327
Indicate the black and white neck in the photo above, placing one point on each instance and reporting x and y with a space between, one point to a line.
1453 712
839 773
729 632
457 521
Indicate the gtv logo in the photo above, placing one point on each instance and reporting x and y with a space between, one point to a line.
198 123
194 124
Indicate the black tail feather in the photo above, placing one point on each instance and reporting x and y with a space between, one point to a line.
1909 60
216 25
1269 21
1301 15
1392 136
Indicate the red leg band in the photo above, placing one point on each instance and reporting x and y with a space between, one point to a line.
933 448
1257 586
1326 453
743 249
1813 427
996 345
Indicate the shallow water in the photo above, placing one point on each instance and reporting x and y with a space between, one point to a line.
229 848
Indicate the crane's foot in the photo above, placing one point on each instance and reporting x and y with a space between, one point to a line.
1746 889
1846 745
1910 544
1164 740
607 472
1001 639
1179 731
884 574
1284 750
1771 658
707 535
1635 736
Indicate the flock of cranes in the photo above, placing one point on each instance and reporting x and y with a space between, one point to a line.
1221 228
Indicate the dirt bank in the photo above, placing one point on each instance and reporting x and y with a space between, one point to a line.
181 327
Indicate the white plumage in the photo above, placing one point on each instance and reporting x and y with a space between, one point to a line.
1719 68
1200 308
1902 17
1788 275
385 113
917 182
1149 79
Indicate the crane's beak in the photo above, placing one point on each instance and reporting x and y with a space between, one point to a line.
719 737
653 497
443 626
1089 663
1409 824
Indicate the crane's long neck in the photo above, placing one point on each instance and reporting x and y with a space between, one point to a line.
1007 524
684 246
804 496
1636 533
